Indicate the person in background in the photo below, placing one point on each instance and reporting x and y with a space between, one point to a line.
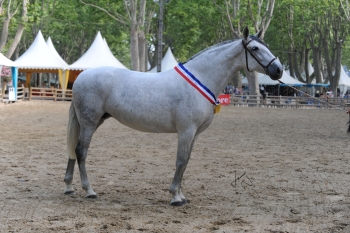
317 93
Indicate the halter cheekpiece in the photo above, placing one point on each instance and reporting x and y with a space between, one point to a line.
246 57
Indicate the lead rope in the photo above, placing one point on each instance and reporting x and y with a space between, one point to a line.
328 104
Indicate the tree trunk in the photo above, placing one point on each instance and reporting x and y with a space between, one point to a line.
4 33
291 66
253 82
295 66
237 80
134 47
20 30
317 64
335 79
142 51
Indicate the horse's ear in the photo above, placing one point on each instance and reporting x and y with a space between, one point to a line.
245 33
259 33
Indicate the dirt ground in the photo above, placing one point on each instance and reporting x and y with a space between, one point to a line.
253 170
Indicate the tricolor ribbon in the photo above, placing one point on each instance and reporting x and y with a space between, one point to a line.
189 77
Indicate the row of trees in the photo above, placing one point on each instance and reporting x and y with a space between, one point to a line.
297 31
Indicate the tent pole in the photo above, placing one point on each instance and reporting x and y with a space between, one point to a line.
28 77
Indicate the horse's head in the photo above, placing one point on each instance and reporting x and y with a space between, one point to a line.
258 56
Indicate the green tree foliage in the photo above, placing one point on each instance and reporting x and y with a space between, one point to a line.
295 33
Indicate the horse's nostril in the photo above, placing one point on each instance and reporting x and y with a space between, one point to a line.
278 70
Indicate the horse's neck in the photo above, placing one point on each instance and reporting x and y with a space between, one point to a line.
215 67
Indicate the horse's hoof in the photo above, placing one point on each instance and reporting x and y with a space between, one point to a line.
184 201
177 203
91 196
70 193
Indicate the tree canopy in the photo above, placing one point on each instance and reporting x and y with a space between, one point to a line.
299 32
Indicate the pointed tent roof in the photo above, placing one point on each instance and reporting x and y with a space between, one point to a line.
4 61
266 80
54 51
97 55
39 56
344 78
168 62
311 71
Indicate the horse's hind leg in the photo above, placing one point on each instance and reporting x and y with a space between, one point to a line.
185 145
81 152
68 179
72 141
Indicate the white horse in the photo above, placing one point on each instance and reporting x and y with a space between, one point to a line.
181 100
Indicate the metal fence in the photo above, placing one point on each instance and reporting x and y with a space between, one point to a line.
36 93
289 102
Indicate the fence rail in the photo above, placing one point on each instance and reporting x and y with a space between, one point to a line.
289 102
49 94
39 94
5 97
36 93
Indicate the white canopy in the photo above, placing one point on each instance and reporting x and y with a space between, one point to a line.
97 55
344 81
39 56
4 61
344 78
266 80
54 51
168 62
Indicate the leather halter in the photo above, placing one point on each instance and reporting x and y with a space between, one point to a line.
246 58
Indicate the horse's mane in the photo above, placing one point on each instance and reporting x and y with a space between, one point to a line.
223 43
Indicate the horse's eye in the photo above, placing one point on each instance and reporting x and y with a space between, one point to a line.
255 48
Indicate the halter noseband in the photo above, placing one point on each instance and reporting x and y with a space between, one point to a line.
246 58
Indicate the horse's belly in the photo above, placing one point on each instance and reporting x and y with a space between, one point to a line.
149 121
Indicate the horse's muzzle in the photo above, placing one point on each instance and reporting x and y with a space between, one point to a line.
275 70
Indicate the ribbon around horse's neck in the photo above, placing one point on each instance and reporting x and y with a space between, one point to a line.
246 57
191 79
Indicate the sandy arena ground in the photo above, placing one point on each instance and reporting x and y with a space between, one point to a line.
295 167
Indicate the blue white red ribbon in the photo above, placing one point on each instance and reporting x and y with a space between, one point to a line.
189 77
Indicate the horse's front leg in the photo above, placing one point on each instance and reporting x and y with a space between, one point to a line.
81 152
184 148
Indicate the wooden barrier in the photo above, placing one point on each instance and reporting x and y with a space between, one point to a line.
290 102
235 100
5 97
63 94
49 94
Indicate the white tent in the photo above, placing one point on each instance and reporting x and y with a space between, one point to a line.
97 55
4 61
54 51
266 80
168 62
39 56
344 81
39 59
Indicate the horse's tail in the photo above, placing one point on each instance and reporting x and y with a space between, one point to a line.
72 132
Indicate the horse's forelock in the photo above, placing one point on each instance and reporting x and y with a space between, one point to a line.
257 39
